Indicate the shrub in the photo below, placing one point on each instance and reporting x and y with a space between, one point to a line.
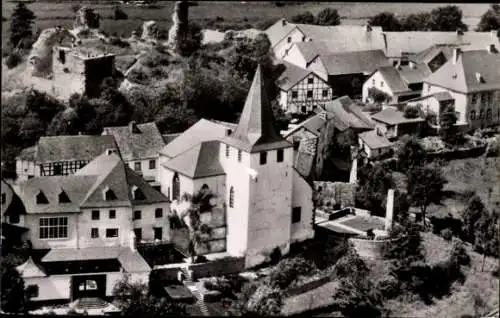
119 14
118 42
137 76
351 265
12 60
288 270
304 18
458 254
377 95
411 112
389 287
447 234
358 298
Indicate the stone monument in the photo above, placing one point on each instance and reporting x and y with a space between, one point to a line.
180 24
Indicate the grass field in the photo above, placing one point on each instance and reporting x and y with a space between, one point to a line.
50 14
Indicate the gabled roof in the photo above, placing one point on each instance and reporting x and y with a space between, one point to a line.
28 154
255 131
414 74
203 130
461 76
417 41
348 114
291 76
364 62
393 79
440 96
392 116
30 269
141 141
198 162
279 31
373 140
313 124
70 148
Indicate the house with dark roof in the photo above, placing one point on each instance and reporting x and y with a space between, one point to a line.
472 78
301 90
61 155
374 144
90 222
249 167
139 146
14 233
394 124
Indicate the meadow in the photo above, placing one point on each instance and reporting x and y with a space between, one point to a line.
243 14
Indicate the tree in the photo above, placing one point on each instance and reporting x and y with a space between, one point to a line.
448 18
410 154
13 295
449 131
119 14
21 23
411 112
490 20
190 42
386 20
374 183
257 298
328 16
358 298
425 185
416 22
304 18
486 236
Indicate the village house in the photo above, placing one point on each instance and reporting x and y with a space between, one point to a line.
374 144
139 146
89 222
61 155
80 70
344 38
13 234
432 105
302 91
393 123
473 80
268 204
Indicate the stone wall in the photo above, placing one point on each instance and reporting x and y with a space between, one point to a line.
335 192
371 249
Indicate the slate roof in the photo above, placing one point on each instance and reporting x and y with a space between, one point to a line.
373 140
414 75
391 116
278 31
364 62
143 143
313 124
255 131
200 161
304 163
393 79
291 76
348 114
461 76
85 188
71 148
417 41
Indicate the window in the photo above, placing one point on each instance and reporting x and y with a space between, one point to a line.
109 195
296 144
489 113
63 198
57 169
158 233
381 84
279 155
227 151
295 94
303 109
429 87
481 113
4 198
289 39
296 214
54 228
112 214
41 198
310 80
373 82
95 215
32 291
473 115
111 232
137 166
239 155
474 98
324 93
137 193
14 218
137 215
138 234
94 232
62 56
152 164
263 158
309 94
159 213
176 187
231 197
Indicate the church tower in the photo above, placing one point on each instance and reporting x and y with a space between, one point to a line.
259 165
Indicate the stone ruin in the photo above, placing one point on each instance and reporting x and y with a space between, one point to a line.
180 24
150 31
86 18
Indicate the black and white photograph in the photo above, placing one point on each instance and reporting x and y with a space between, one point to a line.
250 158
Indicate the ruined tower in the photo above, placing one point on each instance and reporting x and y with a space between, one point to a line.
180 24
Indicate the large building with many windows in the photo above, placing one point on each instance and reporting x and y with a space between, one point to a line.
268 203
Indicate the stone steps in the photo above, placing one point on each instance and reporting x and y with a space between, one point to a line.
90 303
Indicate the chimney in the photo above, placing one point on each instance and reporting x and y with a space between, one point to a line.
133 127
389 211
491 49
228 132
368 27
478 77
132 241
456 54
283 22
412 65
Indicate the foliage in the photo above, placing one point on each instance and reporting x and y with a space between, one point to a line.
190 42
119 14
386 20
486 234
12 287
447 234
328 16
288 270
374 182
490 20
411 112
416 22
358 298
458 254
449 132
447 18
21 24
351 265
257 298
13 59
134 299
473 212
410 154
304 18
377 95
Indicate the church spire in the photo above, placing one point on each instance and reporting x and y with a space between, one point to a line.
255 130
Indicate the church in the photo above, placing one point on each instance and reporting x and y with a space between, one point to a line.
267 203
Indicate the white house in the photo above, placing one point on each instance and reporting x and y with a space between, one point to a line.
268 204
374 144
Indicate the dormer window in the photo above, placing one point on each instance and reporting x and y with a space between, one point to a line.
137 193
109 195
289 40
41 198
63 197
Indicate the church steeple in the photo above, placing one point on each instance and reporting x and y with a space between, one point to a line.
255 130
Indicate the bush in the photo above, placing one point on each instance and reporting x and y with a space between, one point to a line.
304 18
447 234
358 298
118 42
288 270
137 76
377 95
351 265
12 60
411 112
389 287
458 254
119 14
